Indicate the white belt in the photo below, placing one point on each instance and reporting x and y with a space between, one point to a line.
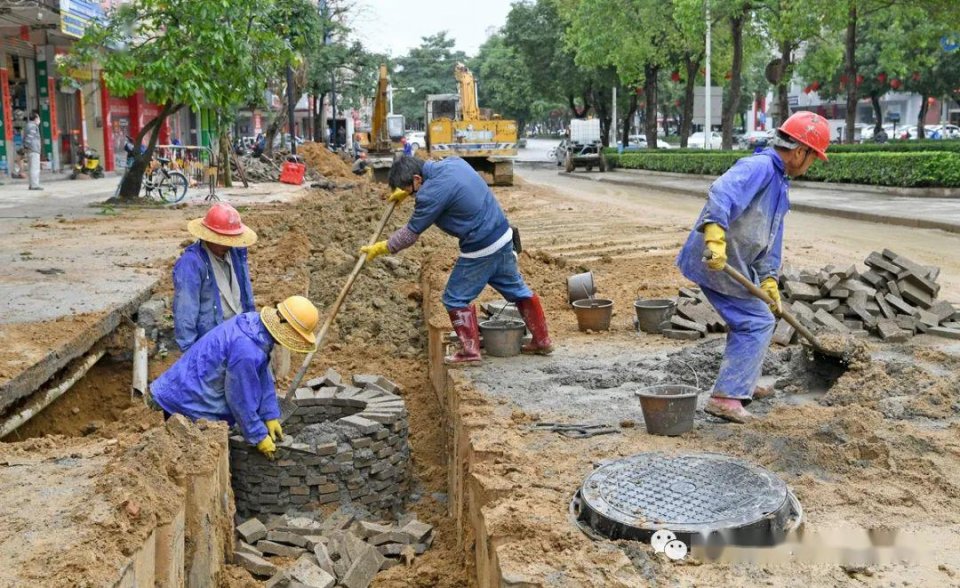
492 248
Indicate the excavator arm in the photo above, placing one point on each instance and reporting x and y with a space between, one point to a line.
468 92
380 136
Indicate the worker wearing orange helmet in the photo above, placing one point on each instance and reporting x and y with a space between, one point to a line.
211 279
742 225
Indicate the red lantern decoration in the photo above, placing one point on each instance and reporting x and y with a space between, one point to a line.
806 90
675 76
728 75
895 84
815 86
859 79
676 103
882 78
844 79
931 101
639 90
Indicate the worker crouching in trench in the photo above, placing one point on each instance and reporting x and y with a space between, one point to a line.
451 195
742 225
225 375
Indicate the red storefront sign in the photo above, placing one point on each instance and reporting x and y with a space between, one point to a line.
52 89
7 109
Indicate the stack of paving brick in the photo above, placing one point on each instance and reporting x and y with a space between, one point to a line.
694 317
363 460
339 551
895 298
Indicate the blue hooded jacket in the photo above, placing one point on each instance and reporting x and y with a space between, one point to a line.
750 202
196 297
225 376
455 198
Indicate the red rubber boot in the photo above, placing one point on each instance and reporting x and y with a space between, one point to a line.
532 313
465 323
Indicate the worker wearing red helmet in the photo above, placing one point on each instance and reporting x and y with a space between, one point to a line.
742 225
211 280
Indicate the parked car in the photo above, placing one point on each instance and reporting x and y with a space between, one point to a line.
640 142
698 139
755 139
416 139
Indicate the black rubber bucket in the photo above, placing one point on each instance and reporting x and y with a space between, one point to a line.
668 409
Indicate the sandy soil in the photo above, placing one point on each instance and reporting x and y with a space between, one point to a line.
879 449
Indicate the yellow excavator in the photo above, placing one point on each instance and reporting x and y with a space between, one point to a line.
457 126
386 130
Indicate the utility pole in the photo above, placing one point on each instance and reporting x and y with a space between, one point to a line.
706 96
390 97
291 104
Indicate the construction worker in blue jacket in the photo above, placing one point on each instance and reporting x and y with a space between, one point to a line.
211 279
742 225
225 375
451 195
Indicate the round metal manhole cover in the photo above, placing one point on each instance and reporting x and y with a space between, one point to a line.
694 496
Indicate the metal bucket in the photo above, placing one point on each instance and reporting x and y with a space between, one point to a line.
502 337
668 409
652 313
580 286
593 314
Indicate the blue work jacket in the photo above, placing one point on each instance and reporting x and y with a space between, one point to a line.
225 376
750 202
196 296
456 199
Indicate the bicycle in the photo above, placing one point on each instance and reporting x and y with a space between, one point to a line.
170 185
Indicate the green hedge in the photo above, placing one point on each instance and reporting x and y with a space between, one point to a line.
914 170
952 146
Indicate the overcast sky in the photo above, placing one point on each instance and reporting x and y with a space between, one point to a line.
394 26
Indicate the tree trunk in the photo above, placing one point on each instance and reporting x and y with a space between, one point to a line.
921 118
877 113
650 96
603 113
132 180
783 83
733 97
320 122
628 122
850 61
686 118
225 159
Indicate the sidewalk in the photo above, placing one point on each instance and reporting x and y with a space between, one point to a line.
919 212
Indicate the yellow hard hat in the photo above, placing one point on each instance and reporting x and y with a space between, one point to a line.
292 323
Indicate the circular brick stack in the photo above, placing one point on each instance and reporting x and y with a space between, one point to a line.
360 457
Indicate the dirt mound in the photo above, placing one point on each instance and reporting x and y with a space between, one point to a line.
325 162
112 493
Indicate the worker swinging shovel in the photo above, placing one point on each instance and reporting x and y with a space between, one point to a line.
741 227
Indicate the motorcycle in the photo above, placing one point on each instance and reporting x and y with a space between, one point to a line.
88 163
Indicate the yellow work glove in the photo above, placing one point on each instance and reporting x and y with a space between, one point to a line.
267 448
398 196
275 430
716 240
771 289
376 250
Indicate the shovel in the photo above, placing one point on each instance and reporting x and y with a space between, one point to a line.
841 356
322 333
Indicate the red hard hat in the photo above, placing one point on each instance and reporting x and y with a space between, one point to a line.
223 219
809 129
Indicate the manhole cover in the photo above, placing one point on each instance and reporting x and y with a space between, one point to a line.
701 498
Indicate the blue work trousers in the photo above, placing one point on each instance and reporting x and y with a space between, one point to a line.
750 327
470 276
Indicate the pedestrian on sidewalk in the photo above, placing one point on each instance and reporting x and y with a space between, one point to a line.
211 280
226 375
451 195
742 224
31 144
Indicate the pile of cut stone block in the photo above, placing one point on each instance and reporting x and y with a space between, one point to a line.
895 298
693 318
339 550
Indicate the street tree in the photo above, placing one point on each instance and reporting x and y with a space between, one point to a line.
182 54
428 69
503 80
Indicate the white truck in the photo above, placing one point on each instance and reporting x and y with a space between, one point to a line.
585 148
